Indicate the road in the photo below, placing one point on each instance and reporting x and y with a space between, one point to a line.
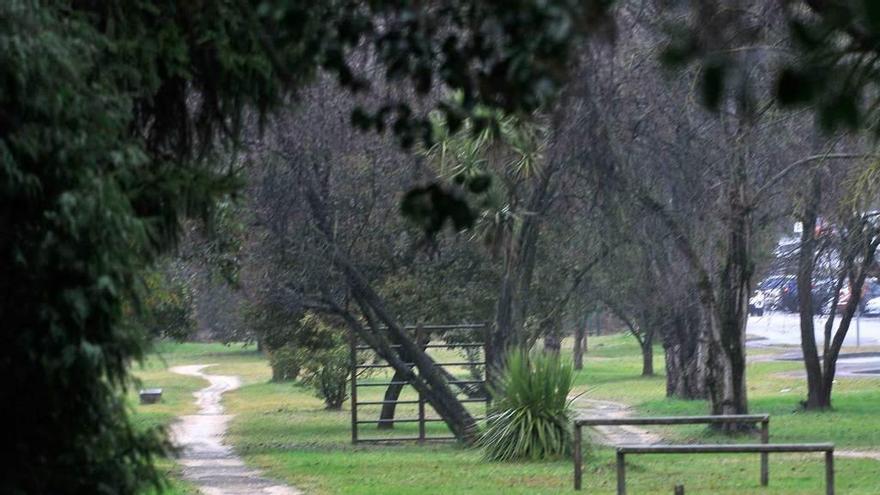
776 328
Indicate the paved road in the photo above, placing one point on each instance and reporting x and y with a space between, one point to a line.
774 329
777 328
207 461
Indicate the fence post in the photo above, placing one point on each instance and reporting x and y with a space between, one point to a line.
354 397
829 472
576 454
679 489
765 461
621 473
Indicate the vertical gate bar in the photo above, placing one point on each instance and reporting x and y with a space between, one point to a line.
354 397
765 462
486 376
621 473
829 472
578 461
421 340
421 418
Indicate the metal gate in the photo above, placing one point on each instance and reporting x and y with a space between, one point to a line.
470 338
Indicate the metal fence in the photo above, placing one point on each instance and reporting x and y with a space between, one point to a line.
429 337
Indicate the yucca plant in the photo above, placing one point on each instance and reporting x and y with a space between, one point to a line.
530 415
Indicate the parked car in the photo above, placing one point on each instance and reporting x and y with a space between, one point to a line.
776 289
870 291
756 304
781 293
872 307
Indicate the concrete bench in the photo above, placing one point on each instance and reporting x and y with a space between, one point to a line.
150 395
762 419
761 448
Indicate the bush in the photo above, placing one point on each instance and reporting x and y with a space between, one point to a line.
327 371
530 415
286 362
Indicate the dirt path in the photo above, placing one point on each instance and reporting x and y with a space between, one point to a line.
207 462
858 454
613 435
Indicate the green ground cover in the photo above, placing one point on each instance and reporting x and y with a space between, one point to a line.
284 429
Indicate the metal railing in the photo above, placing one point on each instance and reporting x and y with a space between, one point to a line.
761 448
762 419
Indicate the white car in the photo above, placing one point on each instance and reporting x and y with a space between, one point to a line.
872 307
756 304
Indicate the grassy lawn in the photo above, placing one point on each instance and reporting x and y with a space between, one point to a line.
284 429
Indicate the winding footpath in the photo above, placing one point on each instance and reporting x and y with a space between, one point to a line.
613 435
208 462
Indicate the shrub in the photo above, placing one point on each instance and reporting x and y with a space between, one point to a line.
286 362
530 415
327 371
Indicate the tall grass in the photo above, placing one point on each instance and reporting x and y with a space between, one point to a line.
530 416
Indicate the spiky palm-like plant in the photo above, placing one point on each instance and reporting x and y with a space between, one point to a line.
530 416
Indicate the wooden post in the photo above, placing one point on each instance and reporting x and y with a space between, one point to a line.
354 397
679 489
576 454
621 473
765 461
829 472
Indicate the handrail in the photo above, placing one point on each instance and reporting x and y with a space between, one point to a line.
763 419
764 449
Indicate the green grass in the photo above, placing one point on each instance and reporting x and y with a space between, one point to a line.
284 429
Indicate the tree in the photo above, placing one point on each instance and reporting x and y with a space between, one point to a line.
712 180
166 306
849 237
114 117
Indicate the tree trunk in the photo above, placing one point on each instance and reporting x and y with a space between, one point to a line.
856 274
806 263
727 320
684 349
647 345
392 393
552 343
580 343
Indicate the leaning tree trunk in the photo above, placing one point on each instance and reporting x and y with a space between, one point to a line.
430 381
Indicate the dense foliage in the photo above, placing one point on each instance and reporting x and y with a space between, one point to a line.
164 308
531 411
100 156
